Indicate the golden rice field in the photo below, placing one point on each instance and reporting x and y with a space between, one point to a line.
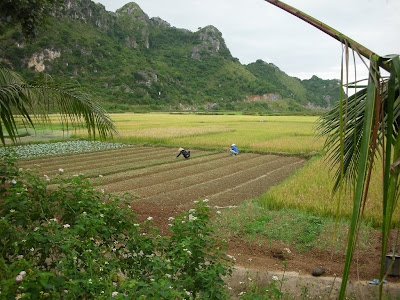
261 133
309 189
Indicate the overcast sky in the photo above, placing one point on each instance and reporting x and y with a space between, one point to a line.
255 29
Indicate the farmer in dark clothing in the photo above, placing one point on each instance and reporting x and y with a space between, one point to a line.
186 154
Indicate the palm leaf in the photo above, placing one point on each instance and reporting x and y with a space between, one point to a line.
38 97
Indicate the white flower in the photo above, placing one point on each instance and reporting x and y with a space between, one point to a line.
114 294
20 170
12 210
150 218
205 200
287 250
101 215
275 278
90 281
84 213
100 176
32 249
54 220
192 218
66 226
168 275
136 224
61 170
192 210
171 218
36 229
22 273
218 212
20 257
18 278
13 181
102 191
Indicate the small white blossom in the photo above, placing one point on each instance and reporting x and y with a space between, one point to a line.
275 278
100 175
136 224
192 210
61 170
171 218
13 181
114 294
168 275
192 218
18 278
22 273
205 200
12 210
218 212
66 226
150 218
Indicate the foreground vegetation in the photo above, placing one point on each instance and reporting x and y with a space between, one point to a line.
74 242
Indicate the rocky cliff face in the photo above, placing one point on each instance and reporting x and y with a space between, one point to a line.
211 42
88 12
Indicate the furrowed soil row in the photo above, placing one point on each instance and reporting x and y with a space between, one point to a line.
182 164
112 162
106 169
256 187
186 176
72 164
70 158
208 187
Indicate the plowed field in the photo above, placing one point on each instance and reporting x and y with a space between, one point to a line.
157 178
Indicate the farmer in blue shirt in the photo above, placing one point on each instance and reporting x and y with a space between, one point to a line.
234 150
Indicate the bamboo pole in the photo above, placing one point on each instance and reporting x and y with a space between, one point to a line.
331 32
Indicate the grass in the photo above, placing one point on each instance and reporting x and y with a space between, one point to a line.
255 222
293 134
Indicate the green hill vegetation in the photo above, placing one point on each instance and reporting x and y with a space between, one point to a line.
129 61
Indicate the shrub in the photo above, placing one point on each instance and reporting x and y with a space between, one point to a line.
60 238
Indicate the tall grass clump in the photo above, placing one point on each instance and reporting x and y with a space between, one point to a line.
74 242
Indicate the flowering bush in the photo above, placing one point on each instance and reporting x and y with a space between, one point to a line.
62 239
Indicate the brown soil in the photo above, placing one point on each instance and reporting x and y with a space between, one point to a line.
166 186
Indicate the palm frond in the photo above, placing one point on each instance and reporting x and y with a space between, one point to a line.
38 97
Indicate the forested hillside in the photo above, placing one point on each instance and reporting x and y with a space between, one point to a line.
127 60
